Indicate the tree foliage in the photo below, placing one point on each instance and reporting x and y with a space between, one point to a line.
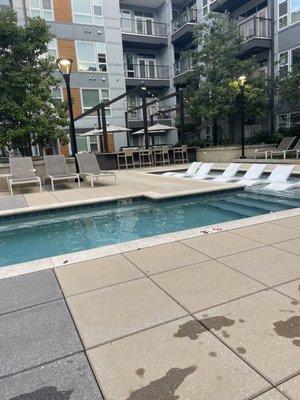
212 85
28 113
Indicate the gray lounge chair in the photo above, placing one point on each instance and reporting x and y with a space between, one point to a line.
57 170
295 150
22 173
89 167
281 149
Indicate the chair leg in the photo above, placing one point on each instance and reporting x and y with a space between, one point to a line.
40 183
52 185
78 179
10 188
92 181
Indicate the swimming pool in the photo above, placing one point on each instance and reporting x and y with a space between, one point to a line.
55 232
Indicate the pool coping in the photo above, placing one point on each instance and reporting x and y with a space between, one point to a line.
150 195
151 241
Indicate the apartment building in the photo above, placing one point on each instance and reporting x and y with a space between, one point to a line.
118 44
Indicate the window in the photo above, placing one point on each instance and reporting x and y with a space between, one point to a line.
57 94
105 97
283 13
87 12
205 8
283 63
126 20
91 56
295 57
288 12
52 48
295 119
41 8
92 97
4 4
283 121
295 11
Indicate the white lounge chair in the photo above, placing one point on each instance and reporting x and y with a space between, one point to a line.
22 173
191 171
228 173
294 151
203 171
280 173
89 167
57 170
282 186
253 173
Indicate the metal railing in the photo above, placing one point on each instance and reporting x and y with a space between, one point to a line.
183 65
189 15
147 71
256 27
143 27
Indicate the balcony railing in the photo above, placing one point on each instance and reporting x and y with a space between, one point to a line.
189 15
182 65
256 27
143 27
147 71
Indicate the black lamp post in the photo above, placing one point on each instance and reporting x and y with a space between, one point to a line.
241 82
65 67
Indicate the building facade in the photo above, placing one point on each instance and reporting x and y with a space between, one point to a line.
118 44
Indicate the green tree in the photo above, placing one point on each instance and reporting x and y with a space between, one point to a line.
288 89
28 113
212 88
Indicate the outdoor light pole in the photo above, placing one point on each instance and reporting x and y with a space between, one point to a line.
65 67
242 81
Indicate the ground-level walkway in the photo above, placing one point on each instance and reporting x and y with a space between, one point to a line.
215 317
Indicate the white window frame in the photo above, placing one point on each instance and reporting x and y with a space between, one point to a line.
83 109
129 19
92 15
288 15
55 48
61 93
98 70
41 10
289 51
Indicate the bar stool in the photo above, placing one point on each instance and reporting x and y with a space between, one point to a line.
180 154
162 156
146 158
126 159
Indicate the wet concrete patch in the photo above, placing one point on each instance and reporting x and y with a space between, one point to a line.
212 354
140 372
217 323
241 350
191 329
289 328
165 387
46 393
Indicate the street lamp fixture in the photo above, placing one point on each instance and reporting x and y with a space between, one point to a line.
242 81
64 66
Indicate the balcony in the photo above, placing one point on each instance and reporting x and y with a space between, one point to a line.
257 33
150 75
182 27
226 5
180 68
143 33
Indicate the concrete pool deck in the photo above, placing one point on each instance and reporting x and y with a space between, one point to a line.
189 315
212 317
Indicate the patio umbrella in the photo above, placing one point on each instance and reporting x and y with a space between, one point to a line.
156 128
110 129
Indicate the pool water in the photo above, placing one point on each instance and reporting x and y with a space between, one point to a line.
64 231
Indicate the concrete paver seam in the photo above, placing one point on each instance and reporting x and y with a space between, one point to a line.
212 333
75 326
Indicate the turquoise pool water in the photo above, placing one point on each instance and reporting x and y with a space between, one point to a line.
64 231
